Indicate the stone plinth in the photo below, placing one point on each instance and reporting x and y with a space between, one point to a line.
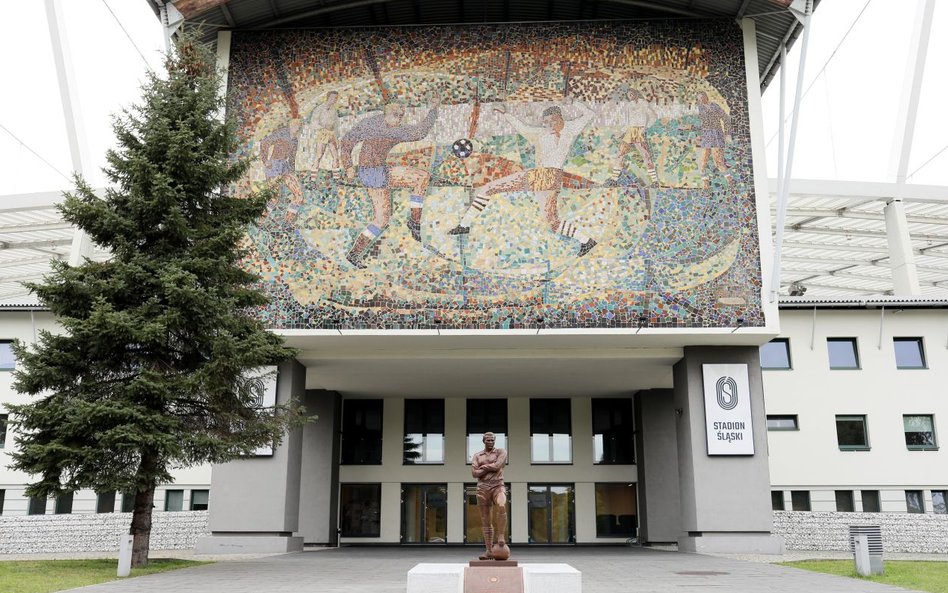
537 578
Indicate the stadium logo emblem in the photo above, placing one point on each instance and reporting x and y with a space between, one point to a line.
727 393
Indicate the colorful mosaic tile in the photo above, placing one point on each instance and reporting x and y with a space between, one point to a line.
583 175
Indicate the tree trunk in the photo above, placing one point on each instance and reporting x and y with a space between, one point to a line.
141 526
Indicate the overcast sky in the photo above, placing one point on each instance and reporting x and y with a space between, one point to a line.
847 123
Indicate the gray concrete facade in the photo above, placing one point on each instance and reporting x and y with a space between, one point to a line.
319 492
257 500
657 459
725 500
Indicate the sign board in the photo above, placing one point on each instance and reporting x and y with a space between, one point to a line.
727 409
266 398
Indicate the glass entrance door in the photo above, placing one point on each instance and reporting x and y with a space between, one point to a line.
424 513
473 532
550 514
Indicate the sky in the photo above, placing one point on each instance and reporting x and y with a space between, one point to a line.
847 119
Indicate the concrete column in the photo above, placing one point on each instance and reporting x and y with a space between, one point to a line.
901 256
725 500
319 478
256 501
657 461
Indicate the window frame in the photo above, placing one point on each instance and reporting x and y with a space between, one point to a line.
796 422
599 491
168 500
37 505
786 347
624 430
550 435
101 502
361 434
848 497
776 495
921 502
63 503
855 349
921 352
878 500
865 426
378 501
8 369
471 414
944 502
933 446
4 425
793 501
423 404
206 504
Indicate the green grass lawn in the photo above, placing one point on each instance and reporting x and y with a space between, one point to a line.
911 574
46 576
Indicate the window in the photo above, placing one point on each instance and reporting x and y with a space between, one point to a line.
800 499
550 430
3 430
362 432
870 501
909 353
485 415
199 500
7 357
842 353
424 431
844 501
613 431
105 502
128 502
851 433
360 506
914 502
63 504
775 354
615 510
776 500
782 422
3 495
174 500
938 501
919 432
37 506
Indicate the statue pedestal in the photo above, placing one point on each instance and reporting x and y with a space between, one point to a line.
494 577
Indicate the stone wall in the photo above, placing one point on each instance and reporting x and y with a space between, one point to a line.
50 534
901 532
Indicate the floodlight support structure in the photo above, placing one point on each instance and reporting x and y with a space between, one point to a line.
172 20
904 271
803 11
81 245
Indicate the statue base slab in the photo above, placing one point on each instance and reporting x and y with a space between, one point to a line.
535 578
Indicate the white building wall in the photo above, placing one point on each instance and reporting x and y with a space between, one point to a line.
810 458
25 325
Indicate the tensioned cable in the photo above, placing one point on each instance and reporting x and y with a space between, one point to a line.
36 154
831 56
121 26
923 165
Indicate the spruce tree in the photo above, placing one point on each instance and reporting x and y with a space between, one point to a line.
150 371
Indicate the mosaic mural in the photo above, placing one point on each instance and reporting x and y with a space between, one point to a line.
501 176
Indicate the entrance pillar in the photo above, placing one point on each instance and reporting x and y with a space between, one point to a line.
725 499
255 501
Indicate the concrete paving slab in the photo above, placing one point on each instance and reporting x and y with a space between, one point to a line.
384 570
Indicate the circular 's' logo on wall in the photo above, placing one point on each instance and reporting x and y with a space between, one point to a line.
727 393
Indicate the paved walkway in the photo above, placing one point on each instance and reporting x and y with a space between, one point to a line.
384 570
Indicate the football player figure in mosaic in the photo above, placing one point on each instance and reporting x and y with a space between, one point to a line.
488 467
715 131
323 124
640 117
553 141
278 154
379 134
